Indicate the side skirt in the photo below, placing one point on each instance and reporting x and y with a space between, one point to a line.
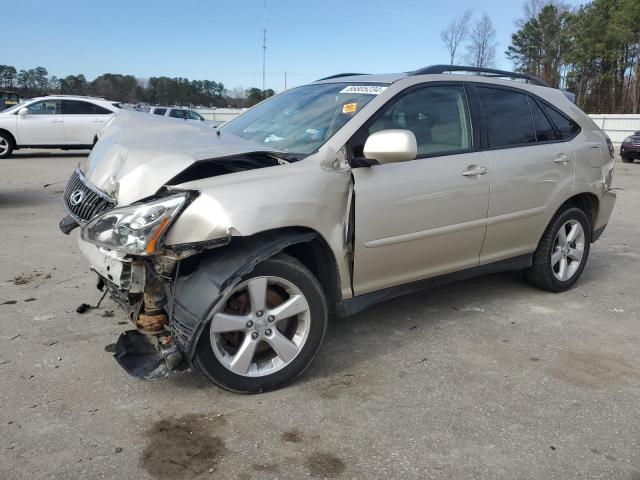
351 306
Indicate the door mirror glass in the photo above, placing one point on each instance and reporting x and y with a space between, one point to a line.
388 146
23 111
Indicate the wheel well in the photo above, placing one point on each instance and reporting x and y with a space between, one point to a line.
11 137
318 258
315 254
587 202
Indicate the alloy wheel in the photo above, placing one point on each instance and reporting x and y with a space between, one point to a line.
4 146
262 325
568 250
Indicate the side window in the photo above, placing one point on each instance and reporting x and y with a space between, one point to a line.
544 130
507 117
75 107
566 128
159 111
437 115
45 107
177 113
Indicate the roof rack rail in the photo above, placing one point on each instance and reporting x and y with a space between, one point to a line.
338 75
437 69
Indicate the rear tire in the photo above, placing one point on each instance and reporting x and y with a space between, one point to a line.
281 342
562 252
6 145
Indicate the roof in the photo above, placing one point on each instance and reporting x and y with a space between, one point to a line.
433 70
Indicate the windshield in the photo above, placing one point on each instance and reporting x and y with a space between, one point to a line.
13 108
191 115
302 119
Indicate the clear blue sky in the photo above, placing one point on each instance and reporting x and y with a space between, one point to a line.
221 40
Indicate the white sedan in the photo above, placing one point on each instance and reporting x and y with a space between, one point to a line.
61 121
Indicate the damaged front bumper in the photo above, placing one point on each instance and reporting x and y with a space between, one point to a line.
138 287
187 289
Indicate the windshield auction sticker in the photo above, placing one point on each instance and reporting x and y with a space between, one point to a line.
349 107
364 89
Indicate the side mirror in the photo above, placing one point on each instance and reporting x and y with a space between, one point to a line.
389 146
23 111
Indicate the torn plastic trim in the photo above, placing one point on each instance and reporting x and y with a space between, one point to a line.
68 224
194 296
140 358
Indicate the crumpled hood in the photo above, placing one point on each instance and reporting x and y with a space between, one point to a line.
138 153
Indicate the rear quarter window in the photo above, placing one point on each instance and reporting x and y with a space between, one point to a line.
566 128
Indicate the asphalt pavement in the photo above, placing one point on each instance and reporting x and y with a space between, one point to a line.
485 379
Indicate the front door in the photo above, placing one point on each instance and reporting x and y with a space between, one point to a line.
424 217
43 125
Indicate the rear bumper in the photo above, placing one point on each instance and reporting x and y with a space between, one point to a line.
607 202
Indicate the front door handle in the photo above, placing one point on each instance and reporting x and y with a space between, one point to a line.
474 170
562 158
56 120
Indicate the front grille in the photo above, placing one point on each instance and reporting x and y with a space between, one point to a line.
635 141
83 201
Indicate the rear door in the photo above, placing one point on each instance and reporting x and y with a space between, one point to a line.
82 120
531 168
425 217
43 125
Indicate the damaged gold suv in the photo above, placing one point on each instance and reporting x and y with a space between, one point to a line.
228 249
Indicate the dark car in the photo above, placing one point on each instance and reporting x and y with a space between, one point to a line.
630 148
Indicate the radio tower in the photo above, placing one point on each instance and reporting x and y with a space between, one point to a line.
264 44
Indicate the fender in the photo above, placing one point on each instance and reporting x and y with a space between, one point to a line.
192 297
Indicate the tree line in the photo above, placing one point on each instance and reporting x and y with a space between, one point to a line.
129 89
592 50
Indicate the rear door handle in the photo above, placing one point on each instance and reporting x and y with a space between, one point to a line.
562 159
474 170
97 120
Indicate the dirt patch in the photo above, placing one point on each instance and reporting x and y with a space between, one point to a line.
26 278
593 369
293 436
334 388
183 447
325 465
265 468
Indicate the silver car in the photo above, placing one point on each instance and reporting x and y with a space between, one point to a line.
228 249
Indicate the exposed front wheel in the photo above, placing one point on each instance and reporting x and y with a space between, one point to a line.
562 252
266 330
6 145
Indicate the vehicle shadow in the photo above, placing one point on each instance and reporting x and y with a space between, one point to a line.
386 327
63 154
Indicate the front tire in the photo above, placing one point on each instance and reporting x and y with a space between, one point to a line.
626 159
562 252
266 331
6 145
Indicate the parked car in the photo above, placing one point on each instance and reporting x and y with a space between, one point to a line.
181 114
61 121
229 249
8 99
630 148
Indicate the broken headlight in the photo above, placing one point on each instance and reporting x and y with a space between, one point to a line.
138 229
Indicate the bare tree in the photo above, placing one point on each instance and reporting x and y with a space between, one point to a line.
481 51
531 9
455 33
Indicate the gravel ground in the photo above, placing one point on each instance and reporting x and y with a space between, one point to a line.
485 379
